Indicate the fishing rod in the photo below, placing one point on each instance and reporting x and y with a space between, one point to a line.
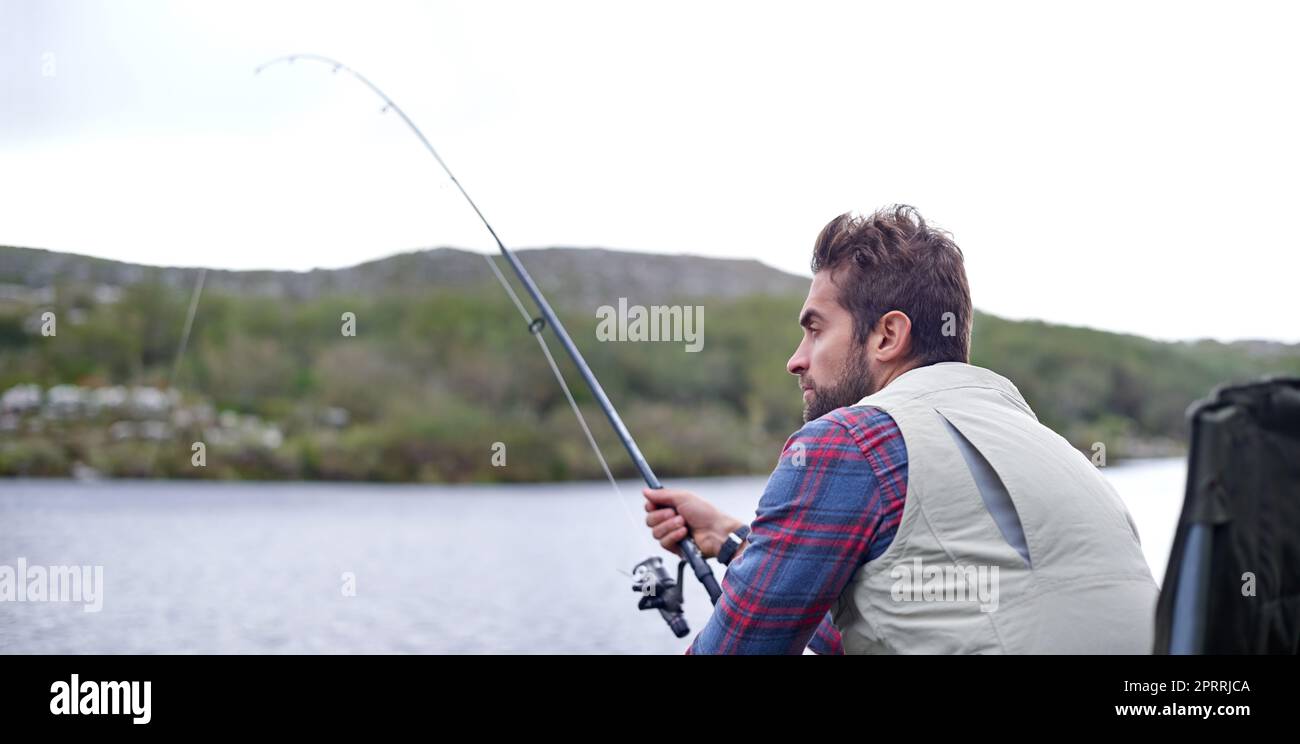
657 588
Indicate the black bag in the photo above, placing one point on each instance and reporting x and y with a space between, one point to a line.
1233 581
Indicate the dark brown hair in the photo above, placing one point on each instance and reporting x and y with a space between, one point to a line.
895 261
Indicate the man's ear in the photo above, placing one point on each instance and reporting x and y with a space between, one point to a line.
893 337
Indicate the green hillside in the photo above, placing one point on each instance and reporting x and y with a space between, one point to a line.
440 371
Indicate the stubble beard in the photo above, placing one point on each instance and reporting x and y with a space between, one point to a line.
854 384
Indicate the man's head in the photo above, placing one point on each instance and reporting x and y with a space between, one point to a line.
889 294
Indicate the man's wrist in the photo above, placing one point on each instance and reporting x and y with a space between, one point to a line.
733 544
723 529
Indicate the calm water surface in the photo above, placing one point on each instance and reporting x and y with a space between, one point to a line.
257 568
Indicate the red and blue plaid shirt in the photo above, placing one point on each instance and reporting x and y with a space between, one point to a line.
832 504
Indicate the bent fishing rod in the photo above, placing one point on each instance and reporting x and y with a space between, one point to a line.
657 588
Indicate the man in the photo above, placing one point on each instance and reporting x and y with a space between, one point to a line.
922 508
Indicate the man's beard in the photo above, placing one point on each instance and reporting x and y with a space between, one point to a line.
855 383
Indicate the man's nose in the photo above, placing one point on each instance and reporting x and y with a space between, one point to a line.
798 364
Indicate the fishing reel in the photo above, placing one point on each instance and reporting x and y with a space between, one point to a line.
659 591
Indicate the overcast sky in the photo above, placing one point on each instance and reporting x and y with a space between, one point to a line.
1127 166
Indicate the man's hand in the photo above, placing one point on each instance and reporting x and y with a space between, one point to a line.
672 511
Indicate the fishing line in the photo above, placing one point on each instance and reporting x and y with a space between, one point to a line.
533 325
180 351
689 550
582 420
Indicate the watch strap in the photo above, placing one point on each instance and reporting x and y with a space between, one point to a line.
732 544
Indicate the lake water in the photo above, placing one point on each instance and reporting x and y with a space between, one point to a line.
200 567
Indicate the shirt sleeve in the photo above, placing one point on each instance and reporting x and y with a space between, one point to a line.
826 640
822 515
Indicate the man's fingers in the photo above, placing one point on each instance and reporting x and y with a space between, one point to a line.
669 527
659 515
665 496
670 541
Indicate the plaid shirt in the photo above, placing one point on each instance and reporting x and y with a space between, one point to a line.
832 504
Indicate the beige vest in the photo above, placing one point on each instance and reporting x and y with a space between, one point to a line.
951 580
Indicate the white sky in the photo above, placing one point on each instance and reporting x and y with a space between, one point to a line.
1127 166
